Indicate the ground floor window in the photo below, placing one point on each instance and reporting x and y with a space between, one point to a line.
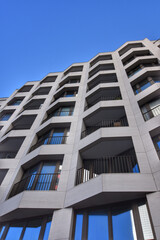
33 229
129 221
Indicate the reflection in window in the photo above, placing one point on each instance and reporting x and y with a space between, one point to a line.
78 230
123 226
32 230
28 230
46 233
5 117
98 226
114 222
14 230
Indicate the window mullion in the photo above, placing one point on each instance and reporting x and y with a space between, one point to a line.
110 227
85 226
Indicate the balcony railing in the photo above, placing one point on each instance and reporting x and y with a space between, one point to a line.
8 154
40 182
145 86
114 164
97 83
50 140
103 98
139 68
59 114
103 124
152 113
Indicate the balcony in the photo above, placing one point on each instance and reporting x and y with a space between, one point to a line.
10 147
132 71
145 83
38 182
70 80
105 94
153 112
42 91
25 88
49 79
34 104
100 58
103 124
130 46
110 164
101 67
60 112
102 78
134 55
23 122
49 140
74 69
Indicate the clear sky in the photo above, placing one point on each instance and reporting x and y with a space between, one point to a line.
42 36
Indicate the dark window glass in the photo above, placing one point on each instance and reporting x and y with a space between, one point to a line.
98 227
123 226
5 117
3 173
78 230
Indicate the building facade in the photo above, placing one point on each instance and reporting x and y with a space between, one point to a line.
80 150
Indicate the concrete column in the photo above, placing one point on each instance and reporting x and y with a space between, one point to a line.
154 208
61 227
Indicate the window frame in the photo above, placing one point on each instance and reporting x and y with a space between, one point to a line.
109 209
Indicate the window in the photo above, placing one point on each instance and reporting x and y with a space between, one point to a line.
33 229
156 141
3 173
70 94
151 109
16 102
54 136
42 177
128 221
63 111
5 117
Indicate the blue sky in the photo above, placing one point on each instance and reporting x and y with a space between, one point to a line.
42 36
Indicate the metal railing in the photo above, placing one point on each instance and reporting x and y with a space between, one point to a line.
32 107
110 164
103 98
152 113
145 86
97 83
103 124
40 182
8 154
59 114
50 140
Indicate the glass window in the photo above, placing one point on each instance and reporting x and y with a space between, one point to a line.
5 117
2 230
57 137
145 222
123 226
98 226
78 229
14 230
32 230
47 230
16 102
65 111
70 94
46 176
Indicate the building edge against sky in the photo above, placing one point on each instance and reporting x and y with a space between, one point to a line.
80 150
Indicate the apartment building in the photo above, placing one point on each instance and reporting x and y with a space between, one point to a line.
80 151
